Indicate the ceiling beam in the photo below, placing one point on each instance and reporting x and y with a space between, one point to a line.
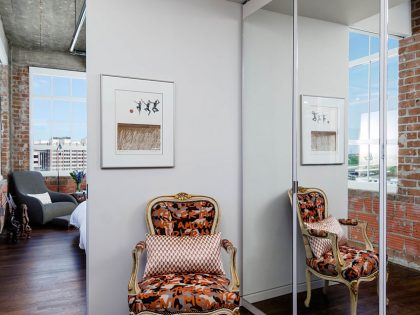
80 22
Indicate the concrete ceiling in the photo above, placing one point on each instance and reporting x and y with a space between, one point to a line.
42 24
337 11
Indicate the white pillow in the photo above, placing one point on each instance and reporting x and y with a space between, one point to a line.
44 198
321 245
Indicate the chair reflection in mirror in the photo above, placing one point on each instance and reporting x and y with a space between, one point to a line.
329 255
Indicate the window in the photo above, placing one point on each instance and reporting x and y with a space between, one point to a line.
58 120
363 111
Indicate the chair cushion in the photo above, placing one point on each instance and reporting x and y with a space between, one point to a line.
357 263
311 206
177 293
183 254
183 218
321 245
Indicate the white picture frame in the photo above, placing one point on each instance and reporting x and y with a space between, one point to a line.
322 130
137 125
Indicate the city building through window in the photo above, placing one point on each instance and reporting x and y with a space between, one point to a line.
58 120
363 112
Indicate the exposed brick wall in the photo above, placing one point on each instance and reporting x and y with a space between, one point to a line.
4 116
409 112
415 16
403 225
20 118
67 184
409 120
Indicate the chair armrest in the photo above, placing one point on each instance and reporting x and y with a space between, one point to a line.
133 284
363 226
30 201
35 206
231 250
61 197
352 222
339 263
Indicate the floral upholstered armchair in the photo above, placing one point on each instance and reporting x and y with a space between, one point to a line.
328 254
183 273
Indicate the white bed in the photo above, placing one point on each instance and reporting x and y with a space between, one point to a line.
78 219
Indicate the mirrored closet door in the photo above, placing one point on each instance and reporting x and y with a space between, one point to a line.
329 103
403 159
267 157
338 159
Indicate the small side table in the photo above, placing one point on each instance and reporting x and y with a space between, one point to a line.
79 196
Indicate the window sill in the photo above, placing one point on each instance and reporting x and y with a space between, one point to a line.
352 184
63 173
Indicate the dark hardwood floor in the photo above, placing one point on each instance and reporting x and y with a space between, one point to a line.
403 294
44 275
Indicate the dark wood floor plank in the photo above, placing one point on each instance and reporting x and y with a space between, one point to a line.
403 293
44 275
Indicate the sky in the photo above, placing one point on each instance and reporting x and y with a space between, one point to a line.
58 107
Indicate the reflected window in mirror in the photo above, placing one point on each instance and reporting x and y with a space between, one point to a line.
363 112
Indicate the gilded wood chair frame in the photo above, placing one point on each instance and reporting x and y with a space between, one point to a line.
139 249
353 286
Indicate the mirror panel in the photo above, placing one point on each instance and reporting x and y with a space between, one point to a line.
339 142
402 164
267 158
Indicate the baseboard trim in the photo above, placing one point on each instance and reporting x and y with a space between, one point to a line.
282 290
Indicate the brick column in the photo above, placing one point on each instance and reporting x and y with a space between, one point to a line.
409 113
4 116
20 118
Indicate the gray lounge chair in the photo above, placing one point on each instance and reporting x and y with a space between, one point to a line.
31 182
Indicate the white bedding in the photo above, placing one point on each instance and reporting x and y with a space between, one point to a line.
78 219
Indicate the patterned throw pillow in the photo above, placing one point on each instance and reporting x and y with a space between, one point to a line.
183 254
44 198
321 245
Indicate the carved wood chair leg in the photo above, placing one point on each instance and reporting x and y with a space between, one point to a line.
325 289
353 298
308 288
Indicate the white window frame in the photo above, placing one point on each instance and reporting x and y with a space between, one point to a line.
370 186
56 73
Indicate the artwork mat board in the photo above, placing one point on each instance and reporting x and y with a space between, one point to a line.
111 113
329 120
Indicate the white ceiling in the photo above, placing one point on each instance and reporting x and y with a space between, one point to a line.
345 12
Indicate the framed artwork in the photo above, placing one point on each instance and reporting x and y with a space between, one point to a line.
322 130
137 122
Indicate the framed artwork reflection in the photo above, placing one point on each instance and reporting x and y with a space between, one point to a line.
137 122
322 130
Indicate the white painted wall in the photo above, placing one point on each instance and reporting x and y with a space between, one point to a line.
267 101
195 43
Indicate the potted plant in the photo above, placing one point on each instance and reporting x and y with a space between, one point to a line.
78 177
